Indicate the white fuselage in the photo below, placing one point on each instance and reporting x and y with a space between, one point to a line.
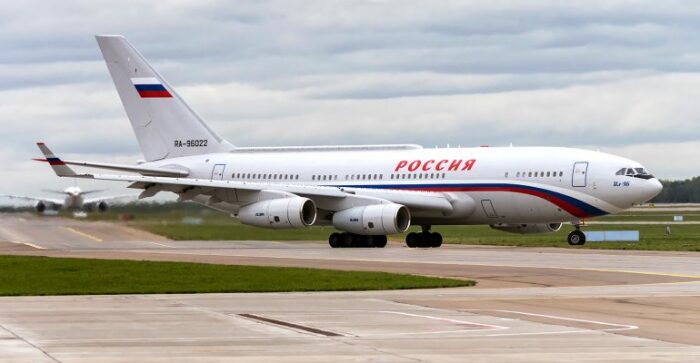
73 198
498 185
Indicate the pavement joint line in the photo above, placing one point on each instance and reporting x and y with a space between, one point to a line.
30 344
87 235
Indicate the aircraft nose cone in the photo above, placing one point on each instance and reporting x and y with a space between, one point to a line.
653 188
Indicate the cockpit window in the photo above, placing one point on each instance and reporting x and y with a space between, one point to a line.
635 172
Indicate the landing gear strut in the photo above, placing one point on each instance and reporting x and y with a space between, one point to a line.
424 239
576 237
348 240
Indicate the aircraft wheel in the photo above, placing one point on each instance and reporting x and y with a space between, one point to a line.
334 240
413 240
346 240
435 240
366 241
576 238
379 241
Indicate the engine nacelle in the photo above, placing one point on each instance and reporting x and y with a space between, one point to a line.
295 212
528 228
40 207
102 206
377 219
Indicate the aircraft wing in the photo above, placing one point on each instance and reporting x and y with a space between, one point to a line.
34 199
327 197
189 188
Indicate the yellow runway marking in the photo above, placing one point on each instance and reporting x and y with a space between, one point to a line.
86 235
28 244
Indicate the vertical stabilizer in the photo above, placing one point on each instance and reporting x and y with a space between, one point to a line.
165 126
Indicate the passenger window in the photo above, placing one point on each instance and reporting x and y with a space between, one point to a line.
443 175
506 174
547 173
561 173
381 176
529 174
313 177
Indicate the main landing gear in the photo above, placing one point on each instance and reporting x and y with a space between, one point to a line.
576 237
347 240
424 239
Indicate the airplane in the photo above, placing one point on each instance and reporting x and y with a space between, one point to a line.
365 191
74 198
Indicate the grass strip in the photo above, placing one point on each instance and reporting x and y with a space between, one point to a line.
29 275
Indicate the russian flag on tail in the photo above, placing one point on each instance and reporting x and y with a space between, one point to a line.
150 87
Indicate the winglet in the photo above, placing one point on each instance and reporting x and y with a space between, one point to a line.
58 166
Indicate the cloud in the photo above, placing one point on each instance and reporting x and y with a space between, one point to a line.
617 75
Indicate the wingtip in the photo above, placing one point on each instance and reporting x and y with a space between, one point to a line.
40 159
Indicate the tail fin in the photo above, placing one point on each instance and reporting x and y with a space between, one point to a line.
165 126
58 166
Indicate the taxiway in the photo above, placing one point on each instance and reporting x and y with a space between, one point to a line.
538 304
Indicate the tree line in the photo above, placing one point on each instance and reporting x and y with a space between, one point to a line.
679 191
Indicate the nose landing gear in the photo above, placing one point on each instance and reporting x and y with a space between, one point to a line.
576 237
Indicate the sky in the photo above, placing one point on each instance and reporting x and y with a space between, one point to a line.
616 76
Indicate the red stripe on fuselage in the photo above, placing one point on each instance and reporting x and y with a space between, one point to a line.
568 207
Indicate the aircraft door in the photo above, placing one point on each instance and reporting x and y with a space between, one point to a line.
579 175
217 173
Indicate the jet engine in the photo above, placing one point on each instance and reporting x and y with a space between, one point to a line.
377 219
102 206
294 212
40 207
528 228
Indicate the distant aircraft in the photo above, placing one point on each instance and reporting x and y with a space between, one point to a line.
366 191
73 199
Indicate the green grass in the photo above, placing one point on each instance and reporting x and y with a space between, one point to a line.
652 237
22 275
219 226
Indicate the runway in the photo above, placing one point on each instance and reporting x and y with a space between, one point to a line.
539 305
